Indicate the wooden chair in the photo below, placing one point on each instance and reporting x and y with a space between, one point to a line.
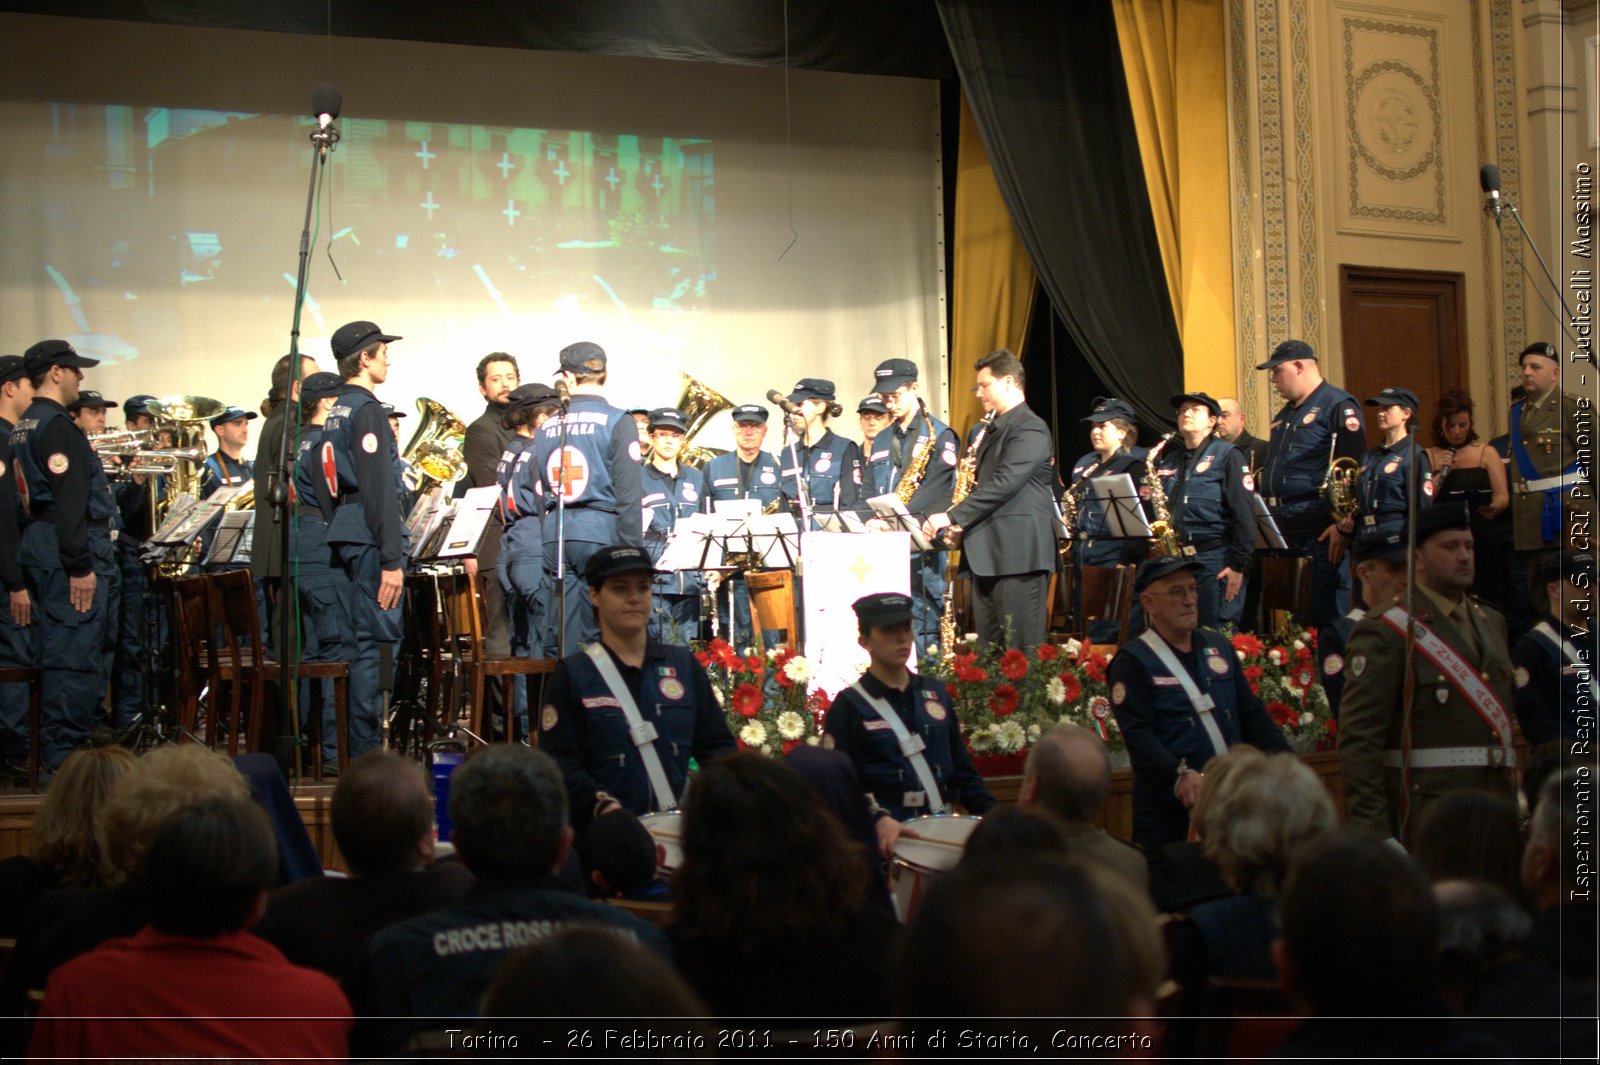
657 913
432 676
195 666
772 605
463 608
34 679
1285 589
1105 594
246 670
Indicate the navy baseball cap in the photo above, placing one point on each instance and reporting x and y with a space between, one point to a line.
871 405
137 405
320 385
1395 397
1288 351
1152 570
233 414
812 388
751 413
388 408
882 608
1575 566
1390 549
583 357
353 336
1442 517
893 373
614 559
1105 409
668 418
88 397
48 353
533 394
1198 397
639 410
12 368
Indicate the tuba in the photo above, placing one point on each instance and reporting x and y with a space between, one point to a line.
436 453
186 417
699 403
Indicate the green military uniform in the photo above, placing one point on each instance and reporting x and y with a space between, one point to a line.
1549 433
1445 726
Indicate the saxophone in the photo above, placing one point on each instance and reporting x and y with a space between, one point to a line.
911 476
1164 537
967 468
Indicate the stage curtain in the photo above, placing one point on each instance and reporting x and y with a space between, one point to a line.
994 279
1179 102
1046 86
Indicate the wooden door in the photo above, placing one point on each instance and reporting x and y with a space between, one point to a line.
1403 328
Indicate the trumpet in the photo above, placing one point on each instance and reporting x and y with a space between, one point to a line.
146 462
121 441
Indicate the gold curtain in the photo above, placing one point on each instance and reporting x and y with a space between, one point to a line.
1173 53
994 278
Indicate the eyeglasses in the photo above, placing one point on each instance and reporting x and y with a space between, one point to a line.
1179 595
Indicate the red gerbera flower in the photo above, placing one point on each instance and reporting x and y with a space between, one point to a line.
747 700
1252 674
1047 652
1014 664
1331 727
1095 668
752 664
1004 700
1073 687
703 658
1247 643
1282 713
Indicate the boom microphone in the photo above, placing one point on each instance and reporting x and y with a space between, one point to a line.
326 103
1489 181
779 400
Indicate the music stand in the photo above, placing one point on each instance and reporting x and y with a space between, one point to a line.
470 522
890 508
1124 514
1268 536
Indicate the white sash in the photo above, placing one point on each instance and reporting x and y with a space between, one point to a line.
640 731
1463 678
1567 650
910 746
1202 704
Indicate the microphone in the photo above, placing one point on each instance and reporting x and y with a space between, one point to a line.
326 103
1489 181
779 400
563 392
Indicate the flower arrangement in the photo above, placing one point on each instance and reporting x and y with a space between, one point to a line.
1006 699
765 697
1282 670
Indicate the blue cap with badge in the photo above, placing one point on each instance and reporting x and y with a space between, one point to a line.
883 608
1288 351
750 413
1153 569
233 414
614 559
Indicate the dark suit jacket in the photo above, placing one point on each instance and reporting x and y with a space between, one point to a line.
266 551
485 440
1254 448
1008 522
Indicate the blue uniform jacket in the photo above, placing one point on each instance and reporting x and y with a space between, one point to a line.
1208 495
359 454
60 481
938 476
1302 443
666 499
1554 697
887 774
581 726
11 578
221 471
1091 517
601 472
728 477
831 468
1331 642
1382 485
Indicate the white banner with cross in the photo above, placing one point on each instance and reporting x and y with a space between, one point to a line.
837 569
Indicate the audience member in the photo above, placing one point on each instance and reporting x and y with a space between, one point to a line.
623 859
1068 775
1471 835
1358 951
382 819
68 922
195 983
1041 939
508 809
1274 809
1558 875
833 777
1486 973
770 909
67 841
1181 876
1012 834
297 855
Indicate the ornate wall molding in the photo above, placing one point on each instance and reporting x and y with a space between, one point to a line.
1244 254
1305 177
1274 198
1503 62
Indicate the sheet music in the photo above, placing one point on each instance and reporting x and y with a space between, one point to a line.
470 521
890 507
696 543
182 504
225 545
1119 499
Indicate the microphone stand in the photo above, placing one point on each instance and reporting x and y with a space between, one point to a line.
1495 210
561 533
802 492
1408 693
323 139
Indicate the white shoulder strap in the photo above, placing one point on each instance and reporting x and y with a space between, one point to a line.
1570 653
911 746
1203 704
640 731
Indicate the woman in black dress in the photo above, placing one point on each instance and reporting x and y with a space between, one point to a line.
1467 469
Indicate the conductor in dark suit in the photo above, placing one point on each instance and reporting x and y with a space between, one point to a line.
1006 527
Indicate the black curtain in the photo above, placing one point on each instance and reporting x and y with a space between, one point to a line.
1047 89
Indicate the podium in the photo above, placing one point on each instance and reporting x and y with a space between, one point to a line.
772 606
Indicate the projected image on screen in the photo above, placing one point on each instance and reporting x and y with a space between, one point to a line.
158 224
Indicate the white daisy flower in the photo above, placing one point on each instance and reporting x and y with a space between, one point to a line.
797 669
1056 691
791 726
754 734
1009 737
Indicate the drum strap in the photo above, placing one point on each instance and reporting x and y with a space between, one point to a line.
1548 633
640 731
910 746
1203 704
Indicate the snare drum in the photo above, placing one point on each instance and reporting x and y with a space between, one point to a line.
944 837
666 829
